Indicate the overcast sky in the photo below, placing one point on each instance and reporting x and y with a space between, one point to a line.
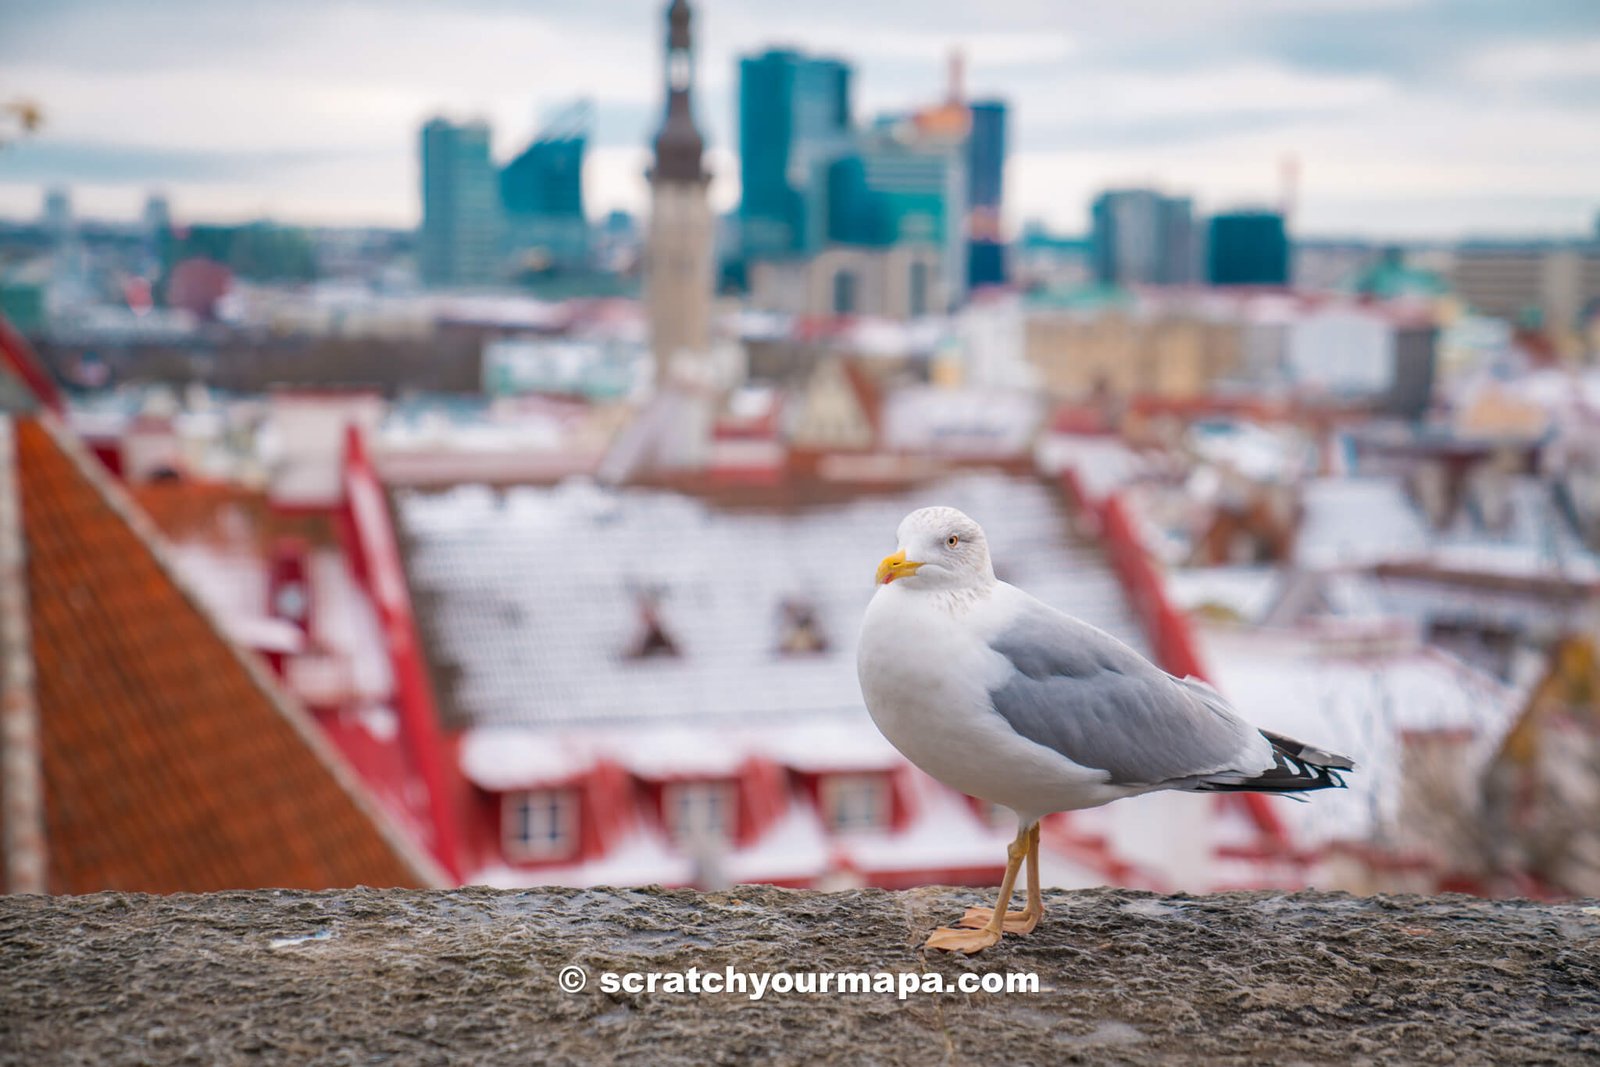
1409 117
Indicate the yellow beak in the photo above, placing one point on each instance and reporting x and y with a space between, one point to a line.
896 566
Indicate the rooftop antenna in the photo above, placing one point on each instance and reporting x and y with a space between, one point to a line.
1289 187
957 76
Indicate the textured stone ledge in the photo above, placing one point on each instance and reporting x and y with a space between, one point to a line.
470 977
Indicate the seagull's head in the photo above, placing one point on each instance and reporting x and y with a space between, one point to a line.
939 548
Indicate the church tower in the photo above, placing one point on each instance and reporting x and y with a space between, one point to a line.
678 265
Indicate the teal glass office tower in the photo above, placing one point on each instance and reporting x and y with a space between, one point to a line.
794 119
460 205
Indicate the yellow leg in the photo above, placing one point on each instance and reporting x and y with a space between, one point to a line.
1016 922
969 941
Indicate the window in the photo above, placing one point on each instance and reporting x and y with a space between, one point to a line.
653 640
541 824
844 293
290 601
855 801
799 632
699 811
919 289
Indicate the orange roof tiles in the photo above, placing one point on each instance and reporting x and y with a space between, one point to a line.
169 765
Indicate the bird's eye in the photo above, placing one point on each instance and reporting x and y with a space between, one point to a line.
952 540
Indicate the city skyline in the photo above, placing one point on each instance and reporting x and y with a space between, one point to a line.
1409 118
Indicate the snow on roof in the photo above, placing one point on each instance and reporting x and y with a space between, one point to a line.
1536 541
677 750
500 758
870 336
503 311
103 422
231 581
345 621
1517 560
474 428
752 402
1358 707
983 422
1353 521
1263 453
1423 598
1362 521
1557 389
1103 463
1247 591
835 743
265 634
530 599
755 325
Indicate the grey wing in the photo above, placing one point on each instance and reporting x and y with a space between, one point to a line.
1094 700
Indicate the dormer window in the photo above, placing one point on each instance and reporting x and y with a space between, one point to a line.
697 812
540 824
799 632
289 601
654 640
855 802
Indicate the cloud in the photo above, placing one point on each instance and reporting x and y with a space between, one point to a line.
1564 74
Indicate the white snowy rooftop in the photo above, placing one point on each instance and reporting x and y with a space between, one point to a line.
968 422
530 599
1358 522
1103 463
1368 520
503 758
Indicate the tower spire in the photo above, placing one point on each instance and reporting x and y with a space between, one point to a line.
679 147
679 270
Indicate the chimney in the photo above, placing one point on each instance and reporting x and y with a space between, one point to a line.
958 77
1289 187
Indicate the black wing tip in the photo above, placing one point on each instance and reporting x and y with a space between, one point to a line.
1299 750
1299 768
1279 781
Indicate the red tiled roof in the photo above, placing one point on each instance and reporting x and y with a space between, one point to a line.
169 763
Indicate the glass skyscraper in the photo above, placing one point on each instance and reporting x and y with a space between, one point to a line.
986 161
794 119
899 188
1141 237
460 205
1247 248
541 193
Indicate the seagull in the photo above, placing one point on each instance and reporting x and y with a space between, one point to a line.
1004 698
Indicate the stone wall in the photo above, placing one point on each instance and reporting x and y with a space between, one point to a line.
471 976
